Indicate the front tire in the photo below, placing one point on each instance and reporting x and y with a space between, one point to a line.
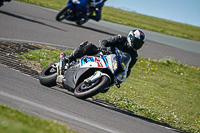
82 21
82 91
66 11
48 76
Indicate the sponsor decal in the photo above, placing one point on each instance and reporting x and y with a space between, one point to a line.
98 62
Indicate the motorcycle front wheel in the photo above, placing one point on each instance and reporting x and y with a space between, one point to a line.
82 21
48 76
66 11
84 91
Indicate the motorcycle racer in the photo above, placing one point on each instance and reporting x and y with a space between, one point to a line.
130 44
97 4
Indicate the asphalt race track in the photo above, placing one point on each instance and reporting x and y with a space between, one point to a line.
24 22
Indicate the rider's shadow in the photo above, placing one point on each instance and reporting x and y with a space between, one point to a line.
89 28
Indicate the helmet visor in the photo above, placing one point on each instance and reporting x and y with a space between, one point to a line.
135 43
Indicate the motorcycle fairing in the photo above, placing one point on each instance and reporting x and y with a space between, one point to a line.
71 77
118 59
77 7
93 62
74 76
106 62
77 2
123 60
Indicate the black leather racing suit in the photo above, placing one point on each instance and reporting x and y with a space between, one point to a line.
120 42
87 48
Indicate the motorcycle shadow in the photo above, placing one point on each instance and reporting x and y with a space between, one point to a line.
89 28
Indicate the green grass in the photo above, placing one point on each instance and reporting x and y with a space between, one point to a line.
44 56
13 121
134 20
163 90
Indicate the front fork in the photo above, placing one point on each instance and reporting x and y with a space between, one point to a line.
60 69
62 64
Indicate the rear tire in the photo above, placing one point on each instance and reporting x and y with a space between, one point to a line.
66 11
93 89
48 76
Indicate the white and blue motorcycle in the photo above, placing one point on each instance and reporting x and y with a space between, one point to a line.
89 75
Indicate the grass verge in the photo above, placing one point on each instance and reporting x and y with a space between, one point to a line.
13 121
163 90
134 20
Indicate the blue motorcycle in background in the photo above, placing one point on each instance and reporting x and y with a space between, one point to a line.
78 11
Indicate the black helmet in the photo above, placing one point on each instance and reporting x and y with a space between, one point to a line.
136 39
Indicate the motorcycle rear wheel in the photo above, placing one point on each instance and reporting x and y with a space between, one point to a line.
66 11
48 76
82 91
